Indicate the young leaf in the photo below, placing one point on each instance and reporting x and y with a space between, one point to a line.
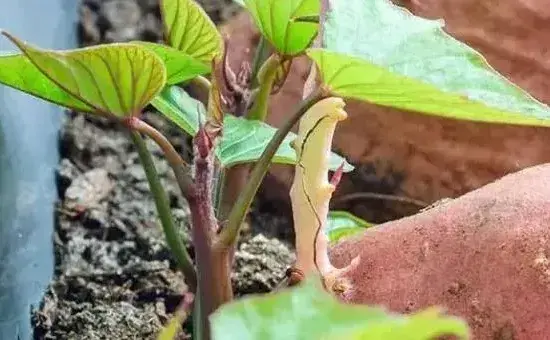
276 20
179 107
410 63
180 67
341 224
309 312
19 72
189 29
118 79
242 141
245 140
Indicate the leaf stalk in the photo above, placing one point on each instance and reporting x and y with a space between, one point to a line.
266 77
179 167
162 204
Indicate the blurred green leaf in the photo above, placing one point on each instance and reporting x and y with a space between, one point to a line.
180 66
189 29
277 20
243 140
341 224
118 79
309 312
380 53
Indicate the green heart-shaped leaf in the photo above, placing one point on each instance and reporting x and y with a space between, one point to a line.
381 53
308 312
17 71
180 67
242 141
118 79
189 29
277 20
341 224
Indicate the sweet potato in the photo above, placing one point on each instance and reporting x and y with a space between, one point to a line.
484 256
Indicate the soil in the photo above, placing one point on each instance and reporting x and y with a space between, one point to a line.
114 276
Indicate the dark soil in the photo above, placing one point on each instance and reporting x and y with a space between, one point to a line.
114 277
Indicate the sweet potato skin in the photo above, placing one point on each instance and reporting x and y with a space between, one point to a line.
484 256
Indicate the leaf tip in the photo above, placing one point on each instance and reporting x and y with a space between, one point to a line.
7 34
19 43
10 36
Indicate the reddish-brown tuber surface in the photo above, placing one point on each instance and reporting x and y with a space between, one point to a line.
484 256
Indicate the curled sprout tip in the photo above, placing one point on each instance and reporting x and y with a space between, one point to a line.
311 190
203 143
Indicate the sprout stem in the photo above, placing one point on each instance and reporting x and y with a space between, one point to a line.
213 266
261 55
266 77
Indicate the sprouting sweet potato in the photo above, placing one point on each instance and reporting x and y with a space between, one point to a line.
484 256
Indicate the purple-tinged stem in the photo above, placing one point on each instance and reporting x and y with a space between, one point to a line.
213 265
